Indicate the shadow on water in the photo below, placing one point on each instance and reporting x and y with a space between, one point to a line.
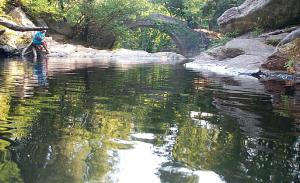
98 121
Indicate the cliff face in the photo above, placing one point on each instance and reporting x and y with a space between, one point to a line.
260 13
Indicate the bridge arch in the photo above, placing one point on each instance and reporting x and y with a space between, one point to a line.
189 42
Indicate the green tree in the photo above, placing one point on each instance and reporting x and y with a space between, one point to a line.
2 6
199 13
213 9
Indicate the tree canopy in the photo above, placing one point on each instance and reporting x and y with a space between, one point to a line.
109 16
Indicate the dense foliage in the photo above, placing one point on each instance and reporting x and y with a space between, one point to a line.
109 16
41 7
199 13
2 6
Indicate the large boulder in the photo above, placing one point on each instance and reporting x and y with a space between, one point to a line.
276 62
95 36
60 27
21 18
279 61
240 55
12 41
260 14
8 51
101 39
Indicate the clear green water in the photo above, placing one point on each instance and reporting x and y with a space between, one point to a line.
71 122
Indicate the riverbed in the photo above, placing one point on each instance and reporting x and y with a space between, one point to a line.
73 121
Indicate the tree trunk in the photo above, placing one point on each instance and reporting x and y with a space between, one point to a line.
15 27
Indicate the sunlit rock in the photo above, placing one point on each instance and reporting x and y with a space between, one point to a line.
123 56
237 56
12 41
288 53
259 13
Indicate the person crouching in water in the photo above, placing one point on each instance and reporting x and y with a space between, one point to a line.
39 41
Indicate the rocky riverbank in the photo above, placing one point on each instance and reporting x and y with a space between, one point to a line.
74 51
248 54
13 42
240 55
274 51
244 55
59 50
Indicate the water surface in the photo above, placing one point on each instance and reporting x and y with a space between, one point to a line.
69 121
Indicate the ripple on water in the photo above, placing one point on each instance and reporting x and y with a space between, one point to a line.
145 123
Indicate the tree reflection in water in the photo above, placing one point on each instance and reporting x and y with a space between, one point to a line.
66 121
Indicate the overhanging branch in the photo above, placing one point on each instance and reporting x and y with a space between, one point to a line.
11 25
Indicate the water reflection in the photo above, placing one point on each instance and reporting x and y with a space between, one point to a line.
40 71
96 121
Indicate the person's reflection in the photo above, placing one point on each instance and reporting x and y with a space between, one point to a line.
40 72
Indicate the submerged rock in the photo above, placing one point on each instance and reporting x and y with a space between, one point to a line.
260 13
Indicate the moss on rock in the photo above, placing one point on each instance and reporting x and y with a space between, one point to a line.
11 42
292 49
287 53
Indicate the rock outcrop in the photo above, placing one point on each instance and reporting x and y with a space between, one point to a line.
260 13
101 39
257 57
12 41
60 27
276 62
240 55
20 18
279 61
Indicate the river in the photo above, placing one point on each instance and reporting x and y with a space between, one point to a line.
69 121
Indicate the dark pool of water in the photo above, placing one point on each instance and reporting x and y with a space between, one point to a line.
67 121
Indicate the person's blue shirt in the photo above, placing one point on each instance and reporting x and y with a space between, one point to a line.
38 38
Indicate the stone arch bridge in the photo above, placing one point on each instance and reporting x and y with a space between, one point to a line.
189 42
